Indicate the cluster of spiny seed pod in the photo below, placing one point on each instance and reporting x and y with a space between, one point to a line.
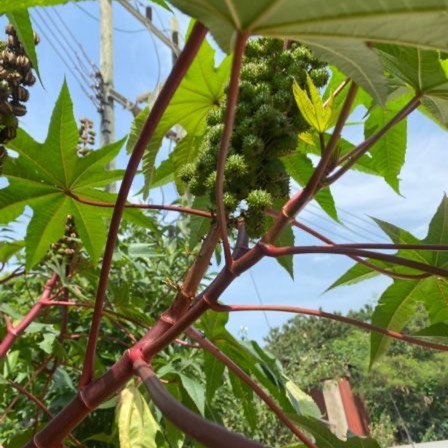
266 127
86 137
15 76
68 245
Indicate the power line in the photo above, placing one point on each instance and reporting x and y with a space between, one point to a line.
64 61
115 28
74 39
260 301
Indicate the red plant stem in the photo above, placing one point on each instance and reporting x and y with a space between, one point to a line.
232 98
338 90
14 274
272 251
13 332
336 317
184 61
232 366
173 208
353 156
298 201
206 432
359 260
399 246
35 374
29 395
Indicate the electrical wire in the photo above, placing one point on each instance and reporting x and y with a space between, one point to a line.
75 40
64 61
120 30
260 301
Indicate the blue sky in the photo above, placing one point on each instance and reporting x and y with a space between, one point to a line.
141 62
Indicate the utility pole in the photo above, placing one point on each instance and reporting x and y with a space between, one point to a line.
106 79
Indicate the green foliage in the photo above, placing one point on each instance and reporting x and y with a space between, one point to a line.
201 90
137 427
409 377
398 303
340 41
50 191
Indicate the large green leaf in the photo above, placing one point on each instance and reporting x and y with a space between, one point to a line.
424 72
46 175
339 27
22 23
14 5
201 89
137 427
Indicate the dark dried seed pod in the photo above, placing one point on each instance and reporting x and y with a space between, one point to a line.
14 77
5 108
30 79
10 30
9 57
18 109
12 41
7 134
23 63
3 153
23 94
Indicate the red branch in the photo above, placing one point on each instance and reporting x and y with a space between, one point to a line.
12 332
273 251
353 156
171 208
184 61
238 371
346 320
232 98
359 260
204 431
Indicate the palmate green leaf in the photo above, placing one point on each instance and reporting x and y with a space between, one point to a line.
201 89
388 155
195 391
14 5
22 23
339 27
137 428
44 177
422 71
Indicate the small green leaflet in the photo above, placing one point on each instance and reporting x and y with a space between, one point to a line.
137 427
45 175
9 249
300 168
388 155
286 238
22 23
318 116
201 89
